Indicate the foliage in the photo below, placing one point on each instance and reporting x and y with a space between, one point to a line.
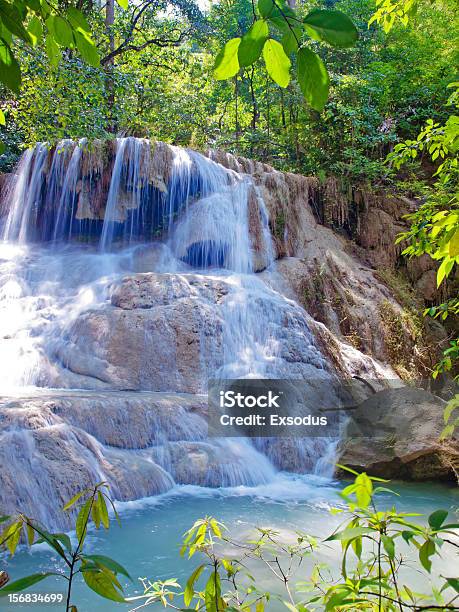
100 573
373 550
330 26
39 23
435 225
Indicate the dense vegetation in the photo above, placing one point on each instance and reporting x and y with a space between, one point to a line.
158 55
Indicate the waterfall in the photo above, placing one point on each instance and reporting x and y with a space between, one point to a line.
78 222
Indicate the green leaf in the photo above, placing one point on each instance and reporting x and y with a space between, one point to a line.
35 30
2 147
82 521
87 50
77 19
227 62
11 536
290 39
103 510
189 589
74 499
437 518
277 62
10 73
111 564
123 4
349 534
24 583
454 244
11 19
62 31
389 546
52 51
333 27
2 122
425 552
444 269
453 583
266 8
252 43
313 78
213 592
101 582
64 538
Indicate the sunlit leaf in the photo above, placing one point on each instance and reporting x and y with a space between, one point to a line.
277 62
227 62
252 42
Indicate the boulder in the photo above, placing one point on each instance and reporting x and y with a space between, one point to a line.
394 433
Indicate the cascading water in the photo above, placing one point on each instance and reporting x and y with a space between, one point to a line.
74 230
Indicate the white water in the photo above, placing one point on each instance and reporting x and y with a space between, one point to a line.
49 276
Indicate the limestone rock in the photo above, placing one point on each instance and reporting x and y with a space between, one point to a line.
395 434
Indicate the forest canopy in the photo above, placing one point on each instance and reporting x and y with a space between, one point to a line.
150 73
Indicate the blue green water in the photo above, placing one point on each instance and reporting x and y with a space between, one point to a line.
148 541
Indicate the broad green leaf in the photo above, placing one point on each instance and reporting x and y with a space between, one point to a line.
189 589
11 19
87 50
111 564
2 122
77 19
444 270
454 583
252 43
425 552
313 78
333 27
11 536
277 62
290 40
62 31
437 518
227 62
10 73
102 584
123 4
52 51
24 583
279 13
35 30
266 8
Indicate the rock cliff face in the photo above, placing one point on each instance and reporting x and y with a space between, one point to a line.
228 270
